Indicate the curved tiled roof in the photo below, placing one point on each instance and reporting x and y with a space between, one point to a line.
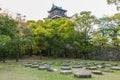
56 7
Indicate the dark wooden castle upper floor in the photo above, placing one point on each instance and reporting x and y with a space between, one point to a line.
57 12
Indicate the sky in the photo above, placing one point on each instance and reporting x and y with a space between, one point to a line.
38 9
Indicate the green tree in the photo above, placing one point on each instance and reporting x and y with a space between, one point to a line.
115 2
8 31
84 26
38 35
109 26
24 40
106 38
52 36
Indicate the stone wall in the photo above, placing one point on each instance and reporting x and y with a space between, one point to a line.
105 53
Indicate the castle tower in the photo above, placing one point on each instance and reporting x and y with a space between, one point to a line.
57 12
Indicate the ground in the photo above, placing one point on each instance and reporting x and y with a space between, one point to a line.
15 71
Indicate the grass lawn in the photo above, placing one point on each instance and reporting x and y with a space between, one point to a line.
15 71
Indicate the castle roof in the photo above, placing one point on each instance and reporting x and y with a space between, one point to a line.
56 7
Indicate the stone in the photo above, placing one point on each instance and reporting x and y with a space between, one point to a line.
66 64
84 63
108 65
66 68
82 74
109 71
115 68
100 66
75 63
87 65
52 69
66 72
35 63
77 66
91 68
44 67
114 64
34 66
27 65
97 72
94 64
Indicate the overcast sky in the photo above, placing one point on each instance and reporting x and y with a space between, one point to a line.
38 9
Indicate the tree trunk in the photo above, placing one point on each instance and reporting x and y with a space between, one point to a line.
3 59
65 52
30 51
49 51
75 54
84 56
17 57
40 55
55 55
18 53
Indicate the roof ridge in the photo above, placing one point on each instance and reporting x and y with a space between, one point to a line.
54 6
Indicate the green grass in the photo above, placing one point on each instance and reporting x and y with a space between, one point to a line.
15 71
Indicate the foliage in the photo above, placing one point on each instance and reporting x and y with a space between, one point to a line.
84 27
115 2
75 37
8 31
107 38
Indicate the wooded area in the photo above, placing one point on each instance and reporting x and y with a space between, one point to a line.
82 36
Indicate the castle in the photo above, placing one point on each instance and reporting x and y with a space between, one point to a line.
57 12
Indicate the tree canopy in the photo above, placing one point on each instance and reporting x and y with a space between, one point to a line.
81 36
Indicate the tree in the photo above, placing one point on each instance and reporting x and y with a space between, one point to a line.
116 29
4 39
106 38
115 2
84 26
52 36
109 26
8 31
24 39
39 36
58 32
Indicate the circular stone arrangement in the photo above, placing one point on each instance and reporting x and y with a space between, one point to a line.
82 74
66 72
